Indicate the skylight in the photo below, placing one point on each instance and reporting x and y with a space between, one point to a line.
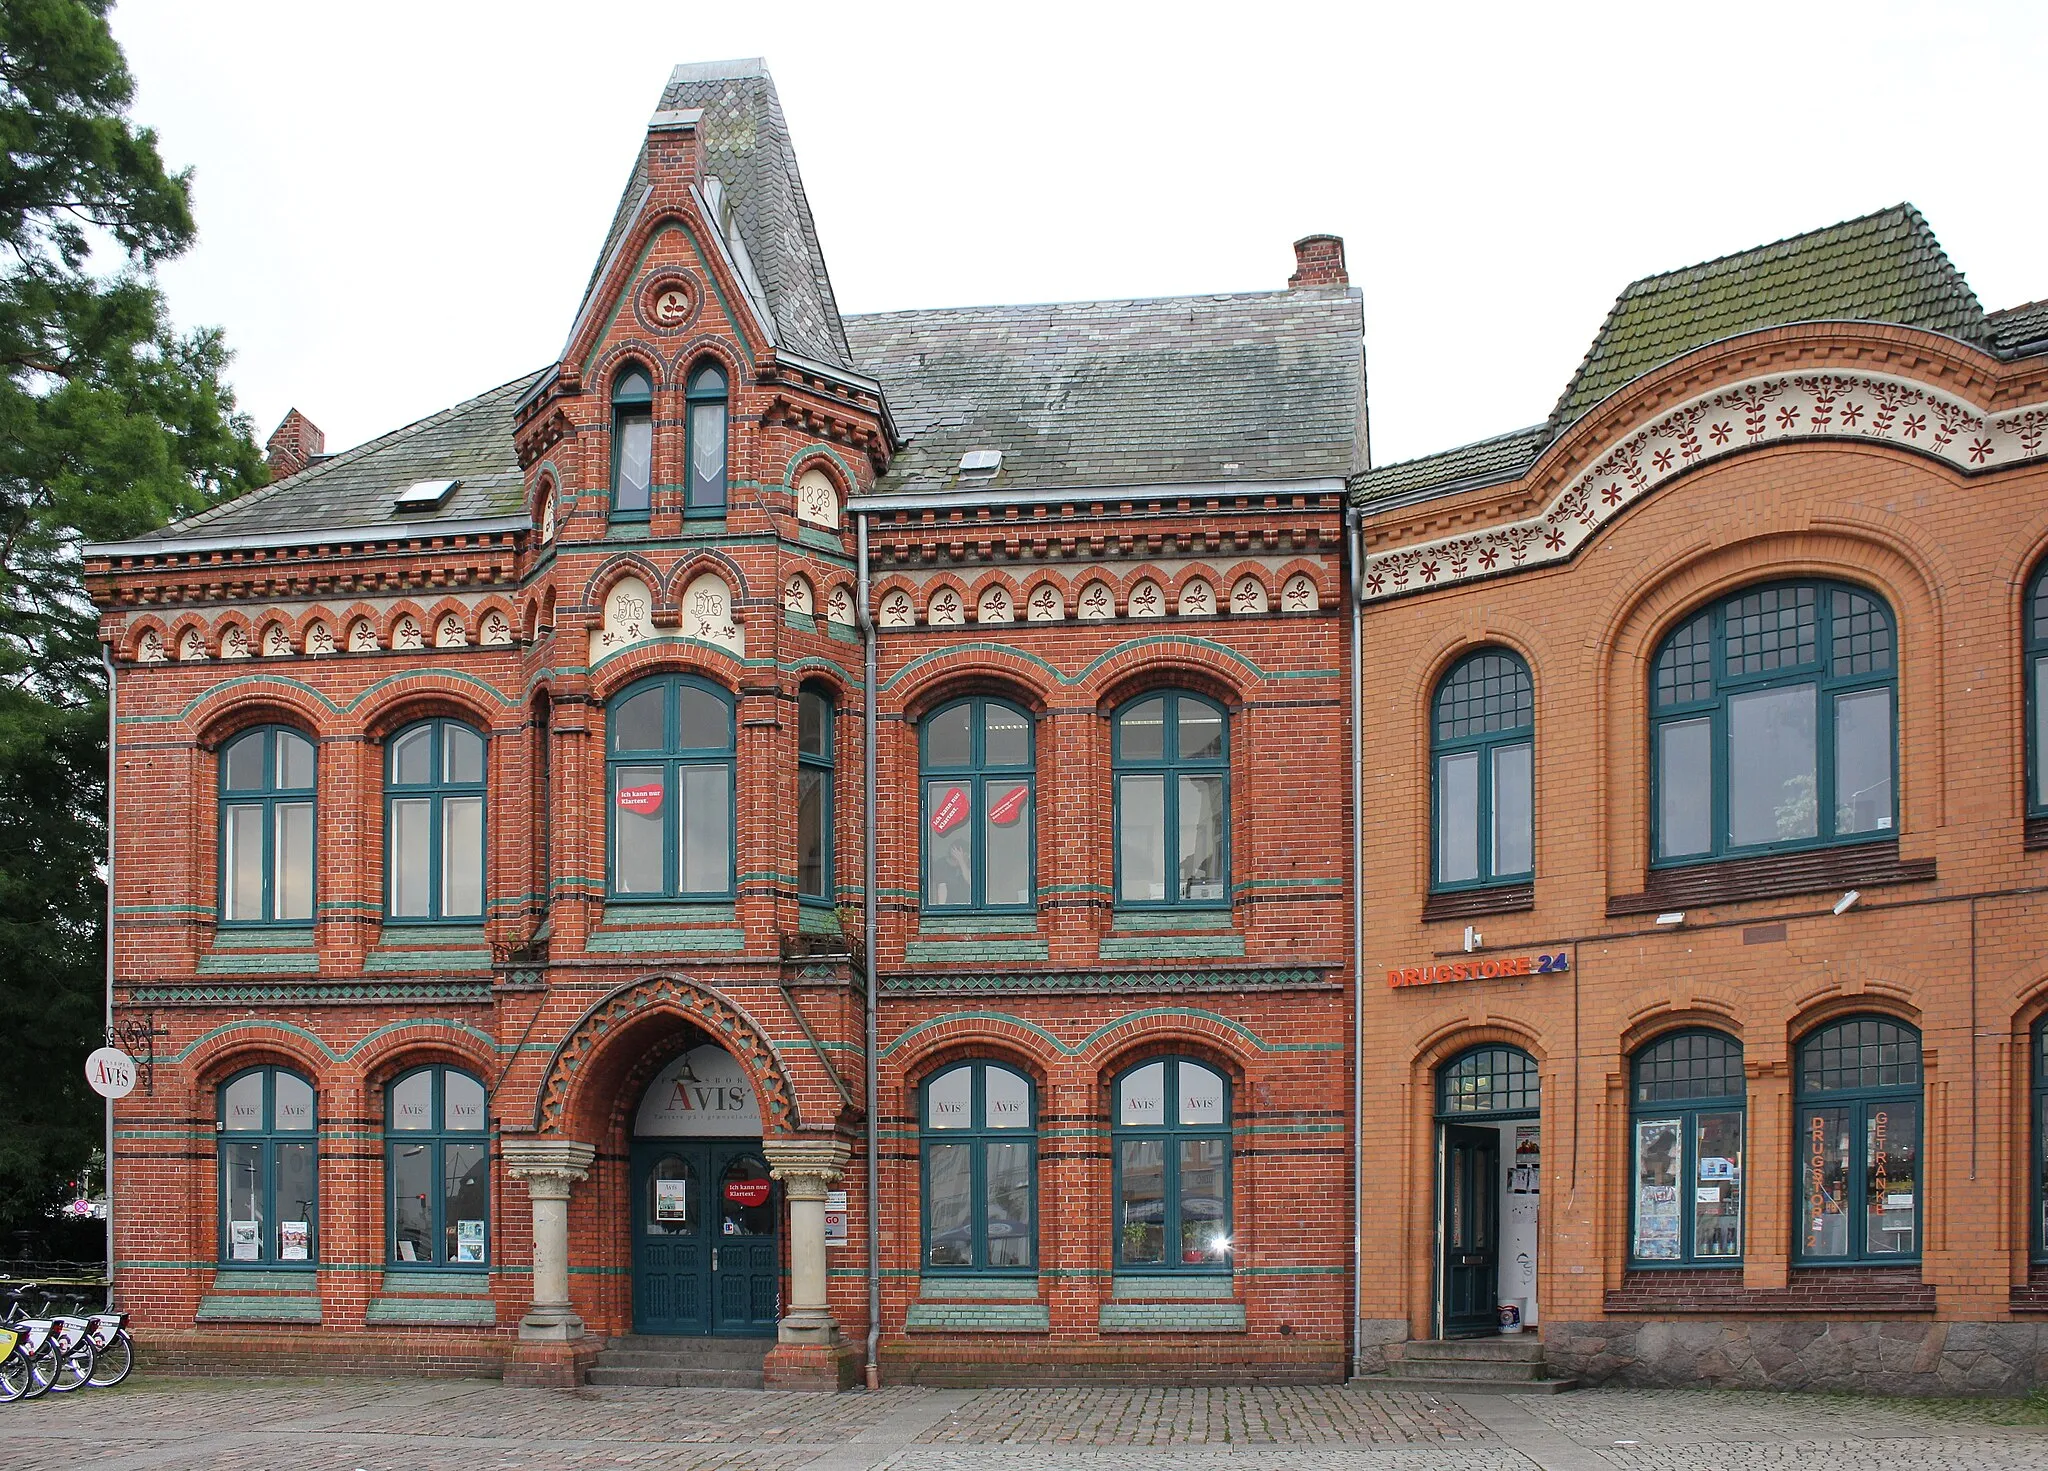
424 495
981 461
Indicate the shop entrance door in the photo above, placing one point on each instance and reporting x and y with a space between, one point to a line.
1471 1231
706 1252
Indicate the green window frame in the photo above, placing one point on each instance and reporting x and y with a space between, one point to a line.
708 445
1687 1121
978 1170
268 826
2038 1246
632 442
267 1153
2035 619
814 805
1496 1079
1170 1135
1170 765
669 773
977 809
1790 689
1861 1121
437 1170
1482 732
436 826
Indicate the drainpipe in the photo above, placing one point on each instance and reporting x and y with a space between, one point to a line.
867 860
1354 542
107 662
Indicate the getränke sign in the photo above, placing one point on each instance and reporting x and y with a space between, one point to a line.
705 1091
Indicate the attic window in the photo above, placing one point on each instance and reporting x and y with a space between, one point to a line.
981 462
424 495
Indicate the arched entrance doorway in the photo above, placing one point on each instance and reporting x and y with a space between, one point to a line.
1490 1180
706 1248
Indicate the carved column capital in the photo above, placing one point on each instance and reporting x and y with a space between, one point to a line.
549 1166
807 1167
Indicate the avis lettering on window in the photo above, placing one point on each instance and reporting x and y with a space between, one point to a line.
1006 1108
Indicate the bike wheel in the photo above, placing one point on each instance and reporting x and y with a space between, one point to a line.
15 1376
115 1360
42 1372
74 1370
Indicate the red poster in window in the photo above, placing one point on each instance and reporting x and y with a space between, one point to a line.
951 811
1009 807
643 801
747 1192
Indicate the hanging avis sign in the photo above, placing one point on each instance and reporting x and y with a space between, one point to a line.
1009 807
951 811
111 1072
642 801
1493 967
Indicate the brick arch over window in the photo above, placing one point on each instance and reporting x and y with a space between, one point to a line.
607 1031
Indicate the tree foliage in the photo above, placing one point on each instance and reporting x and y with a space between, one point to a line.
112 422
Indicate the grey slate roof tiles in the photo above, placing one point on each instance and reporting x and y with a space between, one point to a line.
1488 462
1256 386
2019 330
353 490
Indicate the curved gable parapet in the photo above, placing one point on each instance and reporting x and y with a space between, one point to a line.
1937 402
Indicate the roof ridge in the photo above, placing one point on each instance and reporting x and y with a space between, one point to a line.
1029 306
1540 427
1904 209
314 472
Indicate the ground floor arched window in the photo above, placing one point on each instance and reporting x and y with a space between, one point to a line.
1857 1166
1489 1102
1685 1137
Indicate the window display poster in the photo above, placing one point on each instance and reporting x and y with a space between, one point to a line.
671 1200
245 1241
292 1237
1525 1175
835 1218
469 1241
1657 1222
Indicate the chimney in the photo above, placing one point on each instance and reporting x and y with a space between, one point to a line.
1318 261
295 444
673 146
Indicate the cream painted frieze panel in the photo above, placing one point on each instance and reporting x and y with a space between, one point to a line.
497 630
1097 602
945 609
1045 604
796 595
407 634
450 633
817 499
897 611
1765 410
191 645
1298 594
319 638
1197 599
1147 601
362 637
1249 596
149 649
708 615
234 642
839 606
995 605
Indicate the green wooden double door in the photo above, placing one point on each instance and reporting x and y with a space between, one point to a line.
706 1248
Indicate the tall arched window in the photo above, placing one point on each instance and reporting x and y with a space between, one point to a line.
2038 1247
266 828
632 443
1686 1114
707 452
269 1170
434 822
1172 1187
1482 737
814 796
1858 1170
2037 694
669 746
437 1169
1170 756
976 758
980 1153
1771 724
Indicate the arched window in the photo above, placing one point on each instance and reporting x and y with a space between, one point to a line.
437 1169
1496 1079
707 451
632 443
670 761
1857 1176
814 796
2038 1247
1482 736
266 828
978 818
980 1152
1686 1116
269 1170
1172 1136
2036 619
1170 758
434 822
1771 724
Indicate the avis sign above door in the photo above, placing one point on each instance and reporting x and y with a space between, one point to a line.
703 1092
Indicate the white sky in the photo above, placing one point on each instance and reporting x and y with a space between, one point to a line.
399 203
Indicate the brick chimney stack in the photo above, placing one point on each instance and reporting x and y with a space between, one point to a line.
1319 261
295 444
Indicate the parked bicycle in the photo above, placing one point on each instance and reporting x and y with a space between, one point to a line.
58 1353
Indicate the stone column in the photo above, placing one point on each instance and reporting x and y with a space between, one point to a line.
807 1168
549 1167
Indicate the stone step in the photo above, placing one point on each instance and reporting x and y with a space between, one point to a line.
1466 1369
636 1358
1514 1348
1420 1384
674 1378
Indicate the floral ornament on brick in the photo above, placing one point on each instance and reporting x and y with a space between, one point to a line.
1045 605
319 639
1770 410
1096 602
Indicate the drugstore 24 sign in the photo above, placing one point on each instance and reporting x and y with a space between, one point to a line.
1489 968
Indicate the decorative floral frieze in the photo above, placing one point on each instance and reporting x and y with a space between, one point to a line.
1768 410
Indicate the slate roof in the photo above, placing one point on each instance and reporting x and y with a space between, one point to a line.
1174 390
1489 462
2019 331
471 442
1884 267
746 146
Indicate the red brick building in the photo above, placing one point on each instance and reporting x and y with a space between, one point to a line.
1704 885
492 818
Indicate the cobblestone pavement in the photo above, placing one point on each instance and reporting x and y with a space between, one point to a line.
465 1425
